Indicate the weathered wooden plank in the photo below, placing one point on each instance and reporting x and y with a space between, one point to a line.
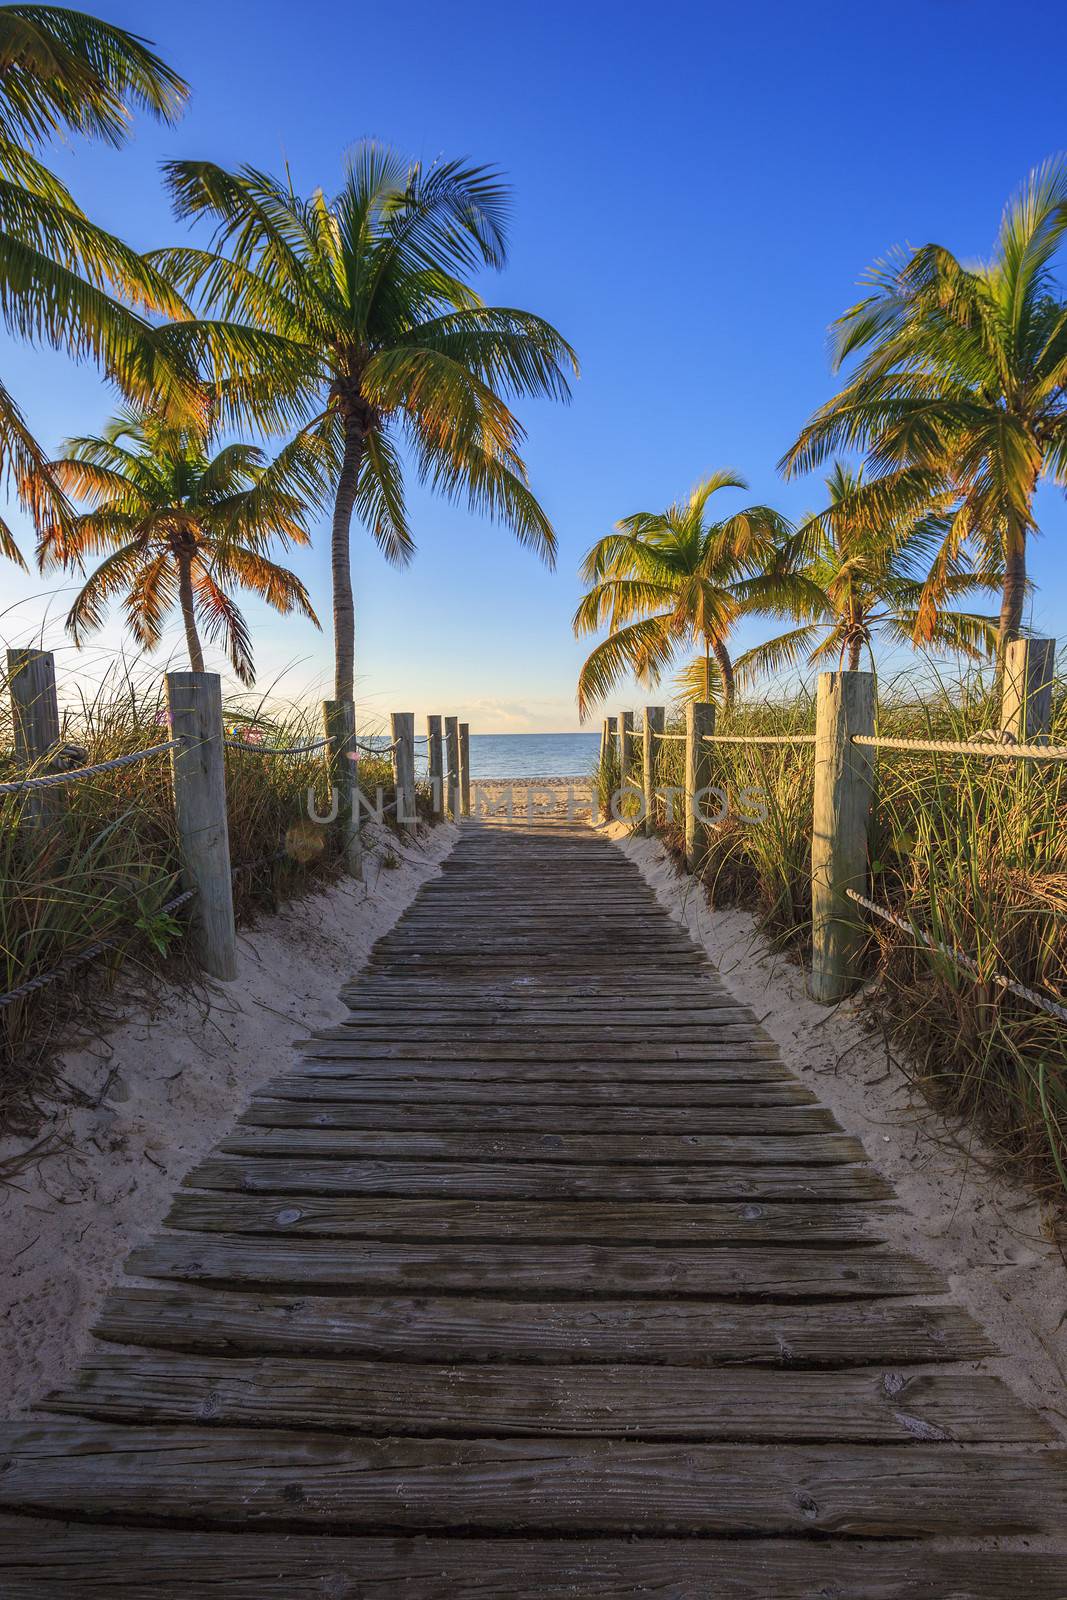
276 1480
731 1273
541 1117
686 1333
72 1560
641 1097
491 1144
503 1180
401 1399
726 1023
582 997
696 1063
590 1222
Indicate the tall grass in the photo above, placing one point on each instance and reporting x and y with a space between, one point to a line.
103 868
973 850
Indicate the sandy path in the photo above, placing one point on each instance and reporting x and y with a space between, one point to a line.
166 1086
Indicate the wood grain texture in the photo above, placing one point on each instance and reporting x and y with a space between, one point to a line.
285 1479
588 1270
676 1333
535 1116
68 1561
539 1260
532 1180
594 1222
397 1399
495 1144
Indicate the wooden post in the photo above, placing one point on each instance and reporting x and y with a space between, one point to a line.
699 721
402 724
654 720
844 791
339 725
437 784
1026 690
626 748
194 700
31 676
465 769
452 768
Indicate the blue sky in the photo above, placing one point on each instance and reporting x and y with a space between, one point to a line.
697 190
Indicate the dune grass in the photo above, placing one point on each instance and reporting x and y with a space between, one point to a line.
973 850
104 867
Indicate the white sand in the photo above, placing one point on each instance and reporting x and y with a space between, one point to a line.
164 1086
988 1236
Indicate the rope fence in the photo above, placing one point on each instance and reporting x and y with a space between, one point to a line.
758 738
248 748
89 953
965 962
994 751
843 796
200 741
53 780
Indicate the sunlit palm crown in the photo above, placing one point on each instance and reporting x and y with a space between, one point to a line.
167 513
666 581
63 281
370 317
962 381
861 569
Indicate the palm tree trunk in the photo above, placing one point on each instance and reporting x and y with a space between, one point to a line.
188 610
1014 592
726 667
344 612
707 673
855 652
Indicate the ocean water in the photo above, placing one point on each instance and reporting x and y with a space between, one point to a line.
520 755
533 755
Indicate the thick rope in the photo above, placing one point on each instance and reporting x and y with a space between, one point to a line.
43 979
758 738
1000 752
52 780
275 750
967 963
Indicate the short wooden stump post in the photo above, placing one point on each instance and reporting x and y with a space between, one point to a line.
699 722
31 677
452 765
844 793
402 724
435 768
654 719
626 749
1026 690
464 769
198 765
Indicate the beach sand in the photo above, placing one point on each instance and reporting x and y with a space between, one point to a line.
146 1102
988 1236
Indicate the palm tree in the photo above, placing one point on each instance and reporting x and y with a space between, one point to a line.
857 576
182 526
666 580
63 281
963 383
379 341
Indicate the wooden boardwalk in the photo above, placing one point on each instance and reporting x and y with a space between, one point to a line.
540 1275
